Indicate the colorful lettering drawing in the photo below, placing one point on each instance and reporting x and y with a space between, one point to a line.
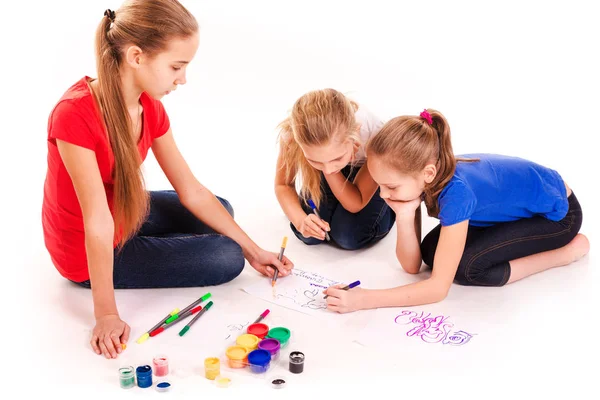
432 329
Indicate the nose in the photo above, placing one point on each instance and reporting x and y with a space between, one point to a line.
384 193
182 80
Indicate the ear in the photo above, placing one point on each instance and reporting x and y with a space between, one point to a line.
429 173
134 56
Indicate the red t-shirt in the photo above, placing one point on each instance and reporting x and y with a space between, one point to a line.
75 119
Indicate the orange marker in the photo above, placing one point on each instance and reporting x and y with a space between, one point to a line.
283 244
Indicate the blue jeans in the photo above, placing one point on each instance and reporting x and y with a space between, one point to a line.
175 249
351 231
489 250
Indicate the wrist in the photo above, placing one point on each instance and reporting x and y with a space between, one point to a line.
251 252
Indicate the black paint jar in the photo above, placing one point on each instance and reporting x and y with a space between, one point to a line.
296 362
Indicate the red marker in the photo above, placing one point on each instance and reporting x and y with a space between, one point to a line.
264 314
165 326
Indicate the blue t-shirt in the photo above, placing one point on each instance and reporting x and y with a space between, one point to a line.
500 189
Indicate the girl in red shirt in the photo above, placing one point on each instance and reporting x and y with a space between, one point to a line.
101 227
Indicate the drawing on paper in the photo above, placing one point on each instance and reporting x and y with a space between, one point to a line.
432 329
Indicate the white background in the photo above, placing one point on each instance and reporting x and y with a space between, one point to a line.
518 78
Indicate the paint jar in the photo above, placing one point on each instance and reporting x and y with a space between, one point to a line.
296 362
258 330
161 365
236 356
126 377
272 346
259 361
212 368
281 334
144 376
222 381
248 341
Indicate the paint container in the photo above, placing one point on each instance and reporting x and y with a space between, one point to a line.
259 330
126 377
222 381
248 341
278 382
212 368
281 334
144 376
296 362
161 365
163 386
236 356
272 346
259 361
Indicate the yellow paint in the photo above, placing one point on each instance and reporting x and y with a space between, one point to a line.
212 368
123 346
248 341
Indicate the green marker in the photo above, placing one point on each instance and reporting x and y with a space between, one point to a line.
189 325
186 311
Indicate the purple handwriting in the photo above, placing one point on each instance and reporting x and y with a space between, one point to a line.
314 284
432 329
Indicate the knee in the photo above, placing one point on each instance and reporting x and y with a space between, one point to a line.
227 206
348 239
228 259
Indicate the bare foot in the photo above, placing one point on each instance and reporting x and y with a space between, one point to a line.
578 247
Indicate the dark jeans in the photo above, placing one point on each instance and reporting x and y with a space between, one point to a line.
175 249
351 231
488 250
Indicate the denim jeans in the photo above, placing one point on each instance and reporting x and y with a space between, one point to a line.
351 231
175 249
488 250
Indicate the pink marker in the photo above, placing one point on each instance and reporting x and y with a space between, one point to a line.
264 314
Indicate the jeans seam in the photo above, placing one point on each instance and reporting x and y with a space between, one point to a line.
512 241
376 222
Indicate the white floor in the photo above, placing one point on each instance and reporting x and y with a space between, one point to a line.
520 80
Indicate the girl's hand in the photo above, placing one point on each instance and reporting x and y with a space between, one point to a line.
405 210
344 301
265 262
108 335
313 226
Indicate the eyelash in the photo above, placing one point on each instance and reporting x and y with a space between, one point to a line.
176 68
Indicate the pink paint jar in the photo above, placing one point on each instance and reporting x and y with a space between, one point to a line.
161 365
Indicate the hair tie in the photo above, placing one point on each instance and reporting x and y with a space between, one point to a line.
426 116
110 14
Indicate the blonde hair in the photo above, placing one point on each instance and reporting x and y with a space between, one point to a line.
149 24
409 143
315 119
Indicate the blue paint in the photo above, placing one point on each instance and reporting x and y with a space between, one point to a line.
144 376
259 361
163 385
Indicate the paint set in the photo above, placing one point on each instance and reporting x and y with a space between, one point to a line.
142 376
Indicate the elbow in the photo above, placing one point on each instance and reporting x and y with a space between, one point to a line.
439 292
100 228
412 269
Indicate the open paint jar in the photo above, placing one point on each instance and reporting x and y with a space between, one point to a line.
281 334
259 330
259 361
126 377
248 341
212 368
144 376
272 346
236 356
161 365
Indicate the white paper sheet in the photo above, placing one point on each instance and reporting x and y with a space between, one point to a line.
301 291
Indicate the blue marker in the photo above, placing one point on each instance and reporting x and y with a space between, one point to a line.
350 286
314 208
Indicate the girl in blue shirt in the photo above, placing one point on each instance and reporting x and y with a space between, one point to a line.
501 218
